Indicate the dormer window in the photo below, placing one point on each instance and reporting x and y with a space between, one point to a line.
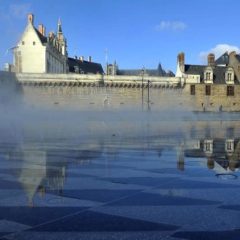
229 76
208 146
229 145
208 75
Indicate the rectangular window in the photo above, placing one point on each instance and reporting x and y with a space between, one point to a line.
208 76
229 146
207 146
229 77
230 90
192 89
208 90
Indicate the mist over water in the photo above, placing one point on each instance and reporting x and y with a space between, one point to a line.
124 165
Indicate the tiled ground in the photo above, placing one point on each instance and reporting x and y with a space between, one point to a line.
116 193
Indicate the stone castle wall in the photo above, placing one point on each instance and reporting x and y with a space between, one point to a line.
218 98
96 92
99 98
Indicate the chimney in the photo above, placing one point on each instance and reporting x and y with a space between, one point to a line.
31 18
211 59
181 61
41 29
90 59
233 53
81 58
51 34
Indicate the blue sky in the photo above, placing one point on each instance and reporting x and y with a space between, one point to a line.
136 33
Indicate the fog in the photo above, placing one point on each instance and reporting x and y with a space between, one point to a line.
42 140
25 122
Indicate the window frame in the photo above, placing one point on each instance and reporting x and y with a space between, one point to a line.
230 91
208 90
208 76
192 90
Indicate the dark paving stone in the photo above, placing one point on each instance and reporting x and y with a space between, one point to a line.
100 167
36 215
221 235
11 171
192 184
186 172
3 234
143 181
166 183
98 222
165 171
9 185
231 207
99 195
148 199
140 235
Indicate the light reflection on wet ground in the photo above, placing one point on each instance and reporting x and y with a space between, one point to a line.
109 177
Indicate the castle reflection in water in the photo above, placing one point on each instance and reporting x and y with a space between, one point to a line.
41 167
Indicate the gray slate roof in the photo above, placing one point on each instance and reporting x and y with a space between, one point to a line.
238 57
218 72
151 72
84 66
42 38
223 60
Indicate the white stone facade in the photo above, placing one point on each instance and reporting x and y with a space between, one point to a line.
37 53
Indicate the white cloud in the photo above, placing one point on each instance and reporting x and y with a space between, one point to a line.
171 25
218 50
19 10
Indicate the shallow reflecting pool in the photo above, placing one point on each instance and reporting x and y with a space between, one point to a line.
119 175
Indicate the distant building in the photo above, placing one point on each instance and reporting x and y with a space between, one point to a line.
38 53
215 86
216 72
112 69
8 67
79 65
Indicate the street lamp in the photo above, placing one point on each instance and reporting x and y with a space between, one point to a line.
142 73
148 95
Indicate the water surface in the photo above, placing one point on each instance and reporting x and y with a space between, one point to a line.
119 175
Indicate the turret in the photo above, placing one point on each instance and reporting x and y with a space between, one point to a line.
59 30
31 18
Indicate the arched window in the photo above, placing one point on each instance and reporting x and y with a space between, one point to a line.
208 75
229 75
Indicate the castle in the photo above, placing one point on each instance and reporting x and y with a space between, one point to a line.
41 60
113 70
37 52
